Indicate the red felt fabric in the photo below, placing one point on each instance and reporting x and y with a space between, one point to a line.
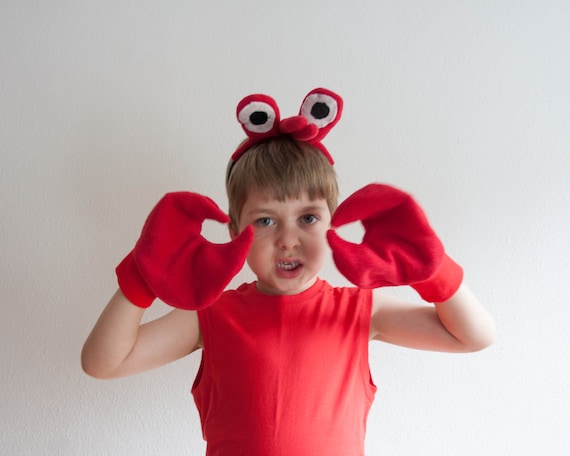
443 284
303 127
175 262
398 248
132 283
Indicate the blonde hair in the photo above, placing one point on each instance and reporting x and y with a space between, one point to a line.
281 168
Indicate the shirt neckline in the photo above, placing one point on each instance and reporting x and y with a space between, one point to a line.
305 295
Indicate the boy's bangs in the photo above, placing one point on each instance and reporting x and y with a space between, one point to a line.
291 185
285 169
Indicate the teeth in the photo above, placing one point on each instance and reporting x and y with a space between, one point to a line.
288 266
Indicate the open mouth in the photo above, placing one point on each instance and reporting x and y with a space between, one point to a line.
288 265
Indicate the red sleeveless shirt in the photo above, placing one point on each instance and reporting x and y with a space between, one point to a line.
285 375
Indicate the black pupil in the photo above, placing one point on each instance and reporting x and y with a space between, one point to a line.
320 110
258 118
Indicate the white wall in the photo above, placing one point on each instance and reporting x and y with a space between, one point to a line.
107 105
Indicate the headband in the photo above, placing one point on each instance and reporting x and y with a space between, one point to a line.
259 117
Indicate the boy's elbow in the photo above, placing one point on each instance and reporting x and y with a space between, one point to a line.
479 346
91 369
481 342
94 368
98 374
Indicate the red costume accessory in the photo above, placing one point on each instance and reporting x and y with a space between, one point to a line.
398 248
259 117
172 261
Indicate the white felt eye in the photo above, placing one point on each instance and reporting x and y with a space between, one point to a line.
320 109
257 117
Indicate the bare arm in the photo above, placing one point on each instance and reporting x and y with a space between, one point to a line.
460 324
119 345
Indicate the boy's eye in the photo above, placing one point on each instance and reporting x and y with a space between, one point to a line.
264 221
309 219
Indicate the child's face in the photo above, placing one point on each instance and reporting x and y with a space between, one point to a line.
289 247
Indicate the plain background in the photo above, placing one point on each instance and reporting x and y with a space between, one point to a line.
107 105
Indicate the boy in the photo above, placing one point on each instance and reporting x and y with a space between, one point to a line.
285 359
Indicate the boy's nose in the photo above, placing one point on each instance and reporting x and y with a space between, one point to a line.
288 239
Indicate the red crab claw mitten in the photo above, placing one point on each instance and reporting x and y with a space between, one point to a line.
174 262
443 284
398 248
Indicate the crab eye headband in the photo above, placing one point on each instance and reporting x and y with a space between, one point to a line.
259 117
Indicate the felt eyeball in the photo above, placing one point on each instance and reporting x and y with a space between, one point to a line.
258 114
321 107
